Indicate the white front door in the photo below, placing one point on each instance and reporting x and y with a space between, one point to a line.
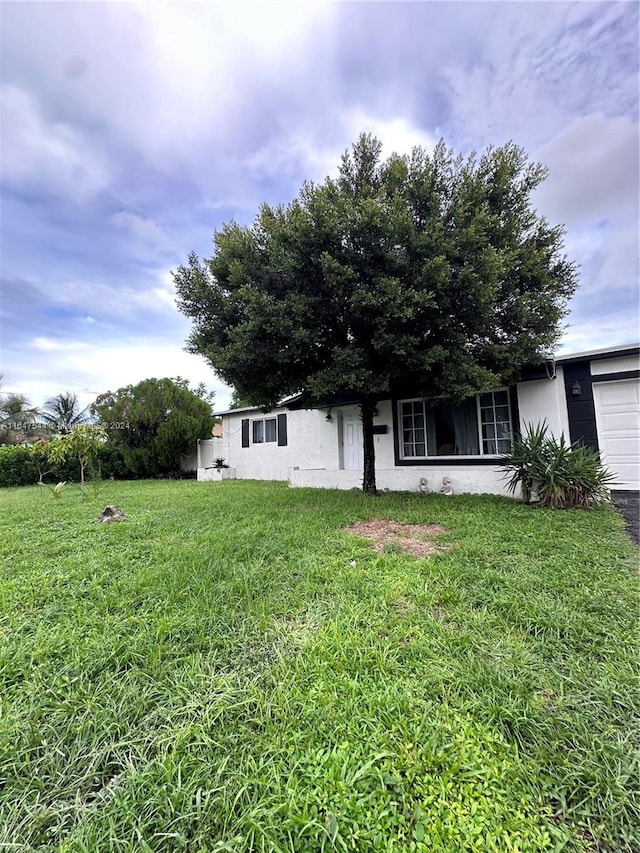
352 443
617 406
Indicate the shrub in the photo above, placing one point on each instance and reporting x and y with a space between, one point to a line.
17 468
24 465
110 464
562 475
21 465
154 424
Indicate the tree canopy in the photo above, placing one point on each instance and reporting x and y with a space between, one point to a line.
17 419
82 441
154 423
432 270
62 413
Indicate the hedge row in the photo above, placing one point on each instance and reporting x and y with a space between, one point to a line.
19 468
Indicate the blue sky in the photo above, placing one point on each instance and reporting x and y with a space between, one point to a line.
131 131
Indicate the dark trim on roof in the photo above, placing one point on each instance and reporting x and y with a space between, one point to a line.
545 369
616 377
599 355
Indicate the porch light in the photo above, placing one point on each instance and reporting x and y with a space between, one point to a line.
576 389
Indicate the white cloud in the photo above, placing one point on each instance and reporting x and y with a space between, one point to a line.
593 170
166 290
121 305
144 229
621 262
610 329
43 154
89 371
529 66
397 133
301 153
163 79
57 346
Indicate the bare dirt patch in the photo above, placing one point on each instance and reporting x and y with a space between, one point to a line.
387 535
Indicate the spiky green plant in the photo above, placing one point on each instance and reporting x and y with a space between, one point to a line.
562 475
56 491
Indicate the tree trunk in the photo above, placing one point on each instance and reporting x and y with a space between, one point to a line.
367 409
81 480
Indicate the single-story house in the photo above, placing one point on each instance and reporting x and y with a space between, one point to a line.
591 396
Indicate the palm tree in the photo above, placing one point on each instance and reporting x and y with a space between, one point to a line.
62 413
17 418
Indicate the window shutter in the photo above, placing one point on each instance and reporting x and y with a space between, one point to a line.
245 432
282 430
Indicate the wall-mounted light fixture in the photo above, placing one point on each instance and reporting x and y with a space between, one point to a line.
550 367
576 389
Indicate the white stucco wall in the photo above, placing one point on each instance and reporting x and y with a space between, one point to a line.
312 441
464 479
545 400
313 456
327 472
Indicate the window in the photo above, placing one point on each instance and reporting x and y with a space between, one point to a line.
476 427
264 430
495 417
414 436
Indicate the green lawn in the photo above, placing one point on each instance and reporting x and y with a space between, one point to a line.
229 671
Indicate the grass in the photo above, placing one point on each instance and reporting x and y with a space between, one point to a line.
230 671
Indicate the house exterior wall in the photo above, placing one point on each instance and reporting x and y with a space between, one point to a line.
599 367
545 400
312 441
315 453
463 479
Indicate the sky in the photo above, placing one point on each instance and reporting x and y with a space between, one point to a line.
130 132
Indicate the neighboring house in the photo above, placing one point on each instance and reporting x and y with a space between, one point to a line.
592 396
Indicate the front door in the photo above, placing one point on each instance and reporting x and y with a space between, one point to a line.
352 443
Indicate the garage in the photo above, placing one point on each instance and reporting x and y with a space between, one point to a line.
617 411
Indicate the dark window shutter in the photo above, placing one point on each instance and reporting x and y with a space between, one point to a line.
282 430
245 432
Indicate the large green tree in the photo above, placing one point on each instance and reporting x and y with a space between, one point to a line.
154 423
428 269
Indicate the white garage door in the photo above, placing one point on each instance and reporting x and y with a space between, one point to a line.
617 407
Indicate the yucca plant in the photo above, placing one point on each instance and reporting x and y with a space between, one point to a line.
561 475
527 460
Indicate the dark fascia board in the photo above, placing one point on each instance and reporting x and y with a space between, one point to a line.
348 399
287 403
531 372
599 355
